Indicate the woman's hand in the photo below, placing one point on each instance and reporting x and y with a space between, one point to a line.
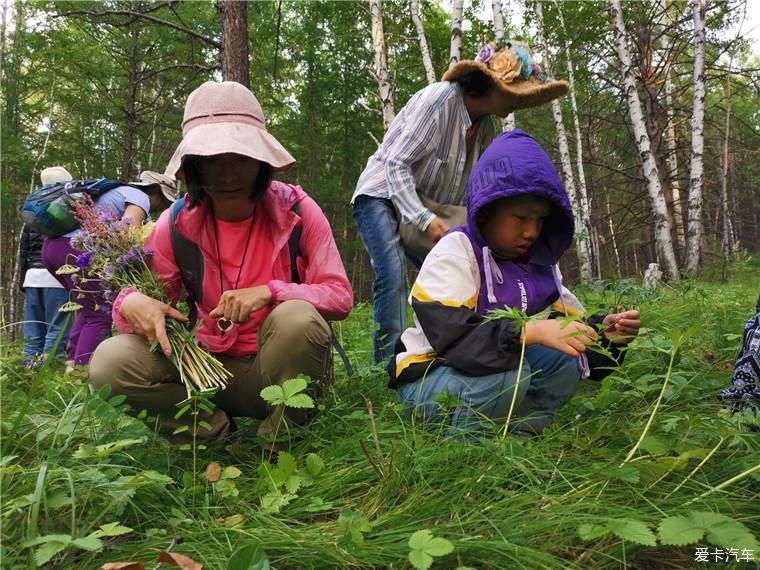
622 328
570 338
237 305
147 316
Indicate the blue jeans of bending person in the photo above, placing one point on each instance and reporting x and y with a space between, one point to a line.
42 321
548 381
378 228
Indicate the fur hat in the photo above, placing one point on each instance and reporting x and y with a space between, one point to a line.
225 118
54 174
510 65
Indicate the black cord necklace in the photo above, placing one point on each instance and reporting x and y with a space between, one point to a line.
225 325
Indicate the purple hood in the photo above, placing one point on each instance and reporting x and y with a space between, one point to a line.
516 164
512 165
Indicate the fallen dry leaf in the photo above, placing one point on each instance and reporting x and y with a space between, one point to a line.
213 472
184 562
122 566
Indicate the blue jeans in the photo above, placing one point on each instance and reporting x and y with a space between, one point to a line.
548 381
42 321
378 228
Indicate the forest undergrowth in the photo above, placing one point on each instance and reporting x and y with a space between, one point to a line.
645 469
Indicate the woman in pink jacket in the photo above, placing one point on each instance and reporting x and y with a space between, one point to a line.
265 322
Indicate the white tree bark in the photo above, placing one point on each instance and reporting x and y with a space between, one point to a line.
455 54
663 241
582 234
613 237
427 61
729 241
670 137
696 170
508 122
380 68
587 242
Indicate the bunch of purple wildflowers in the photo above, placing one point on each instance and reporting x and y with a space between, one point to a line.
115 256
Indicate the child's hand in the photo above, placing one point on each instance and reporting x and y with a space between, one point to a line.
622 328
570 338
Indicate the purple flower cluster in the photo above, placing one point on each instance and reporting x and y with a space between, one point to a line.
113 254
83 259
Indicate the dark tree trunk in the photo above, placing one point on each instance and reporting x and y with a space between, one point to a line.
233 15
130 111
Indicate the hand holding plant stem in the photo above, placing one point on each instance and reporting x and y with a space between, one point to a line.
115 256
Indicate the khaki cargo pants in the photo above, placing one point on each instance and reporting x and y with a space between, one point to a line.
293 339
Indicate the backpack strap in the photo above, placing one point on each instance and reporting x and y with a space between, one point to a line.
189 259
294 244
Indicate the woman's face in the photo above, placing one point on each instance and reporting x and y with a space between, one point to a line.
158 202
227 175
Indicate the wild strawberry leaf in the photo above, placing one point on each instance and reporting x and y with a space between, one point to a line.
680 531
424 547
632 530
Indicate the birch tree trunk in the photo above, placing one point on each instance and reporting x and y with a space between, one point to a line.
9 120
455 54
380 69
233 16
427 60
728 241
670 139
508 122
663 240
585 241
696 168
582 237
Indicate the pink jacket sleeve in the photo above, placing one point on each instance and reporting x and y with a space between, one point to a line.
163 265
325 284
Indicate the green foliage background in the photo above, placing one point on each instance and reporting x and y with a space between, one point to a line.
73 62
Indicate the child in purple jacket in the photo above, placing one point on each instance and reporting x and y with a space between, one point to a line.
519 224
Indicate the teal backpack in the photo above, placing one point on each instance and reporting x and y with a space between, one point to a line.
49 210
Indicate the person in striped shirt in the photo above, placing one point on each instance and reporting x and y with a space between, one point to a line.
426 155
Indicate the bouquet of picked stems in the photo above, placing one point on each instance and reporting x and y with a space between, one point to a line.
115 257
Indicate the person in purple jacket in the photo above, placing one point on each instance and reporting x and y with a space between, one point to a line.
520 222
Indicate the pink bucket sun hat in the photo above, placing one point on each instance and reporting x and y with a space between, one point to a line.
226 118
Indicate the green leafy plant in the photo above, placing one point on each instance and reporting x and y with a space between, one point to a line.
677 337
223 479
248 556
424 547
196 404
289 395
720 530
285 479
50 545
627 529
354 526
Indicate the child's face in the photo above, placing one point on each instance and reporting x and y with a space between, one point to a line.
516 225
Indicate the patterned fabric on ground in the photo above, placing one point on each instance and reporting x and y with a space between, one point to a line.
745 392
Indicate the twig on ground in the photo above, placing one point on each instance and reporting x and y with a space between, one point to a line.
376 467
374 431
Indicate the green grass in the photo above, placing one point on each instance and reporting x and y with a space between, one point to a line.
72 462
